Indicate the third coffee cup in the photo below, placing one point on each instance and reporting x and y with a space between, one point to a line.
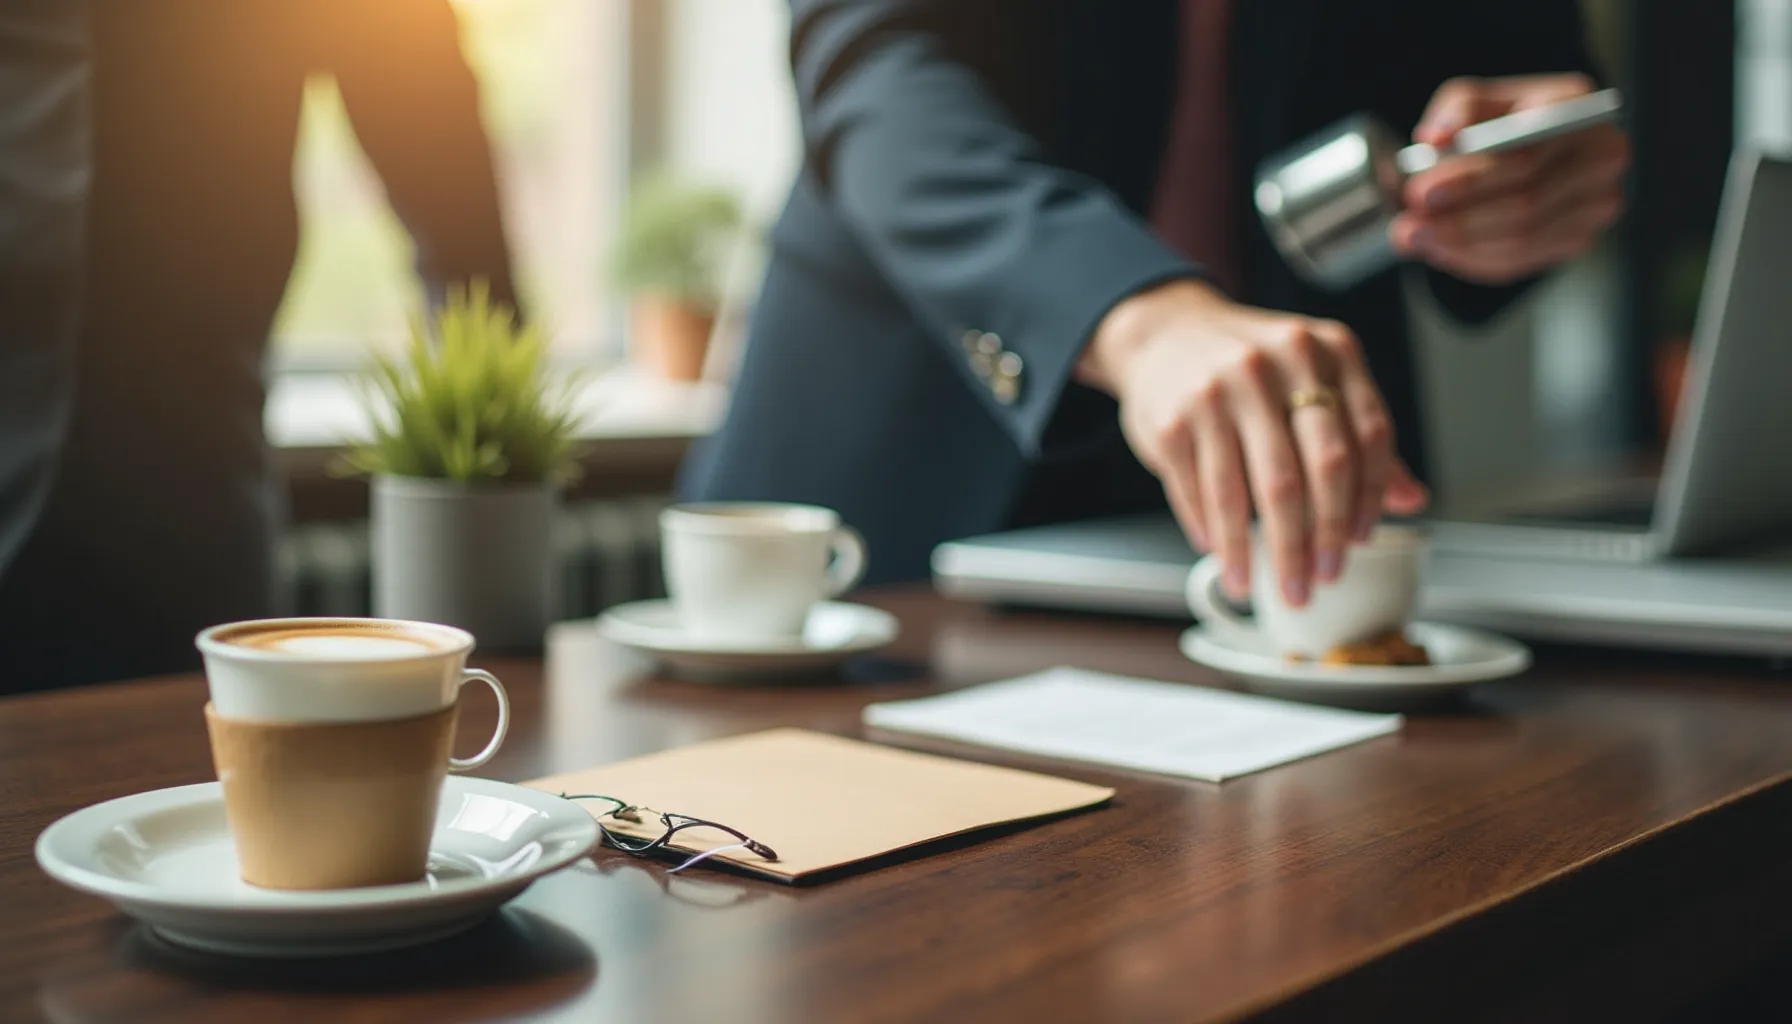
1375 594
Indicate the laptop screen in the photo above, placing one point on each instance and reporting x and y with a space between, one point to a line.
1726 479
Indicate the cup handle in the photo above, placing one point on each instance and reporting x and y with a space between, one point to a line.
461 764
848 565
1219 618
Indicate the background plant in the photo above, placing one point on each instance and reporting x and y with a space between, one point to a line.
676 240
469 401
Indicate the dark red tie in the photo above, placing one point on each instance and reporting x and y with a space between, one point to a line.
1195 205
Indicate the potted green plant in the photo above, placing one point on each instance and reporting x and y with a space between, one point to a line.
671 259
472 443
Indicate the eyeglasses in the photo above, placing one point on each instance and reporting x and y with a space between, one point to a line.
674 823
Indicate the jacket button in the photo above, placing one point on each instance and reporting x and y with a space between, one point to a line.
1005 382
982 350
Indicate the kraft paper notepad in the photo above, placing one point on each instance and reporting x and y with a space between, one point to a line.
821 801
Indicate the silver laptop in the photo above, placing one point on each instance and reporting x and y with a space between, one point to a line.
1577 571
1726 483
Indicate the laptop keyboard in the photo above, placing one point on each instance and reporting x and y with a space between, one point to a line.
1638 514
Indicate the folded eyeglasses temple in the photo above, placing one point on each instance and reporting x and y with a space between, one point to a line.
628 812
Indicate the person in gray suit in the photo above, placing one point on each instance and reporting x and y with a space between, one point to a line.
1016 280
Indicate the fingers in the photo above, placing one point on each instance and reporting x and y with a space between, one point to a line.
1461 102
1503 260
1329 456
1466 181
1524 92
1496 218
1182 486
1517 217
1457 104
1327 450
1405 495
1225 499
1206 408
1371 426
1534 225
1277 481
1524 199
1557 210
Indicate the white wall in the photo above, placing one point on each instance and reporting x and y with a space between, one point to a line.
731 121
733 117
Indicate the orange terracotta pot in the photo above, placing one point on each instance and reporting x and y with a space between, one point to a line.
669 339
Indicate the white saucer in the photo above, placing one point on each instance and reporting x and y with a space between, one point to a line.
166 858
1460 656
835 632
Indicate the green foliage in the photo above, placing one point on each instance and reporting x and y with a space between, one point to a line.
676 240
471 403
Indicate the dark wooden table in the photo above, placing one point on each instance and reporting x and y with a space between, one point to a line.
1604 839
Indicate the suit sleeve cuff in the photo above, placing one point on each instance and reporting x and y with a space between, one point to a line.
1021 368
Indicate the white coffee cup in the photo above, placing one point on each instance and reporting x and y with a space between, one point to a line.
750 572
1374 594
319 670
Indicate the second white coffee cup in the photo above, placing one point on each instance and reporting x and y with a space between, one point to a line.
749 572
1375 594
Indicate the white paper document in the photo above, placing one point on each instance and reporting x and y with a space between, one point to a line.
1168 728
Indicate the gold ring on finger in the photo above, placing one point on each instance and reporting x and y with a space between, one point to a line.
1326 398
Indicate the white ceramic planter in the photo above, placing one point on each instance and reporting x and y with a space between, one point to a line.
480 557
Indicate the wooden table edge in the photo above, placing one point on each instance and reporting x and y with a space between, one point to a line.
1279 999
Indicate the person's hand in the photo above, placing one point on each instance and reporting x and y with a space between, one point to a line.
1496 218
1233 406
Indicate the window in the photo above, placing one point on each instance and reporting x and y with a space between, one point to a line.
552 79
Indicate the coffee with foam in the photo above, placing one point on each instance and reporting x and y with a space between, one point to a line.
326 639
331 738
334 669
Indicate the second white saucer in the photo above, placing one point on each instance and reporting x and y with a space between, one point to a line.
1460 656
835 631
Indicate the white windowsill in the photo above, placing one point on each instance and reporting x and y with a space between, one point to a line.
323 410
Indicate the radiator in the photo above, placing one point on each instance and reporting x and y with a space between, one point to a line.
609 554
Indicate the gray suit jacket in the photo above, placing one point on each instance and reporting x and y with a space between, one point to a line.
44 175
971 204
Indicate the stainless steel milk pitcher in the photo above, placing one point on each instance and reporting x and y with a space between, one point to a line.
1328 201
